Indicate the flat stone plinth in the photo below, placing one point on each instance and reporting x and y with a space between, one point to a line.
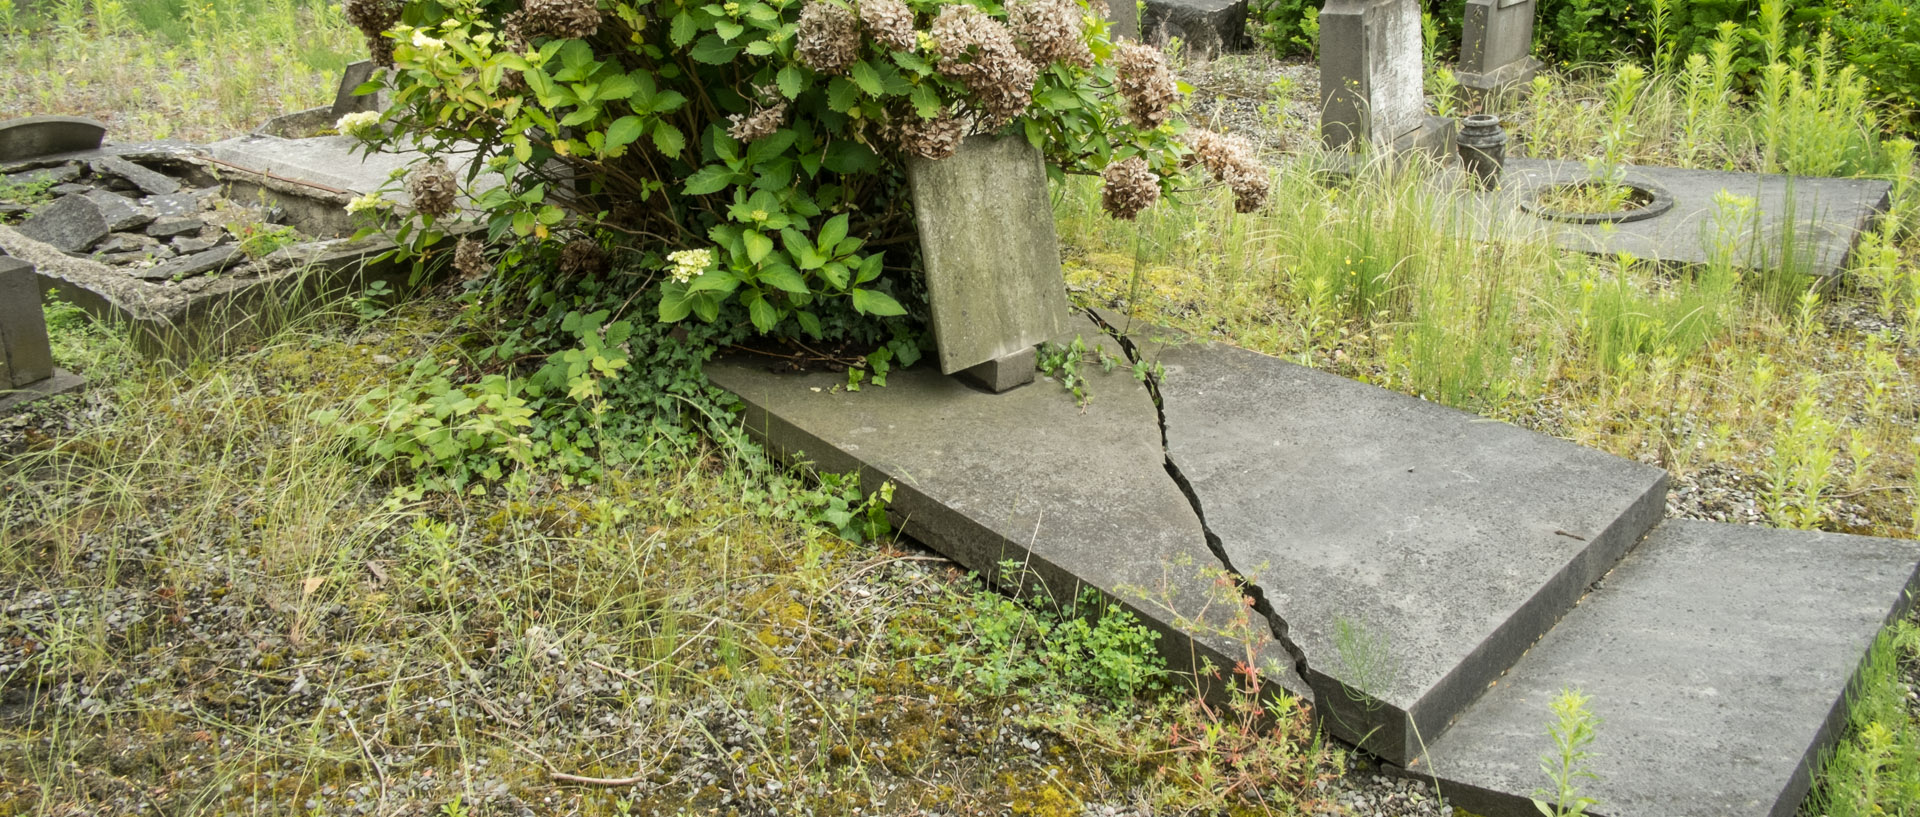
1825 216
1717 658
1081 498
60 382
1413 551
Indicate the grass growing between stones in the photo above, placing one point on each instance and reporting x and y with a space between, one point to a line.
208 606
158 69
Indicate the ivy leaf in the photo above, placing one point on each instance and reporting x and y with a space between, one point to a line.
791 81
875 302
683 29
622 133
709 179
668 139
713 51
867 78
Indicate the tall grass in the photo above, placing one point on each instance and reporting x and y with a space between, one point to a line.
197 70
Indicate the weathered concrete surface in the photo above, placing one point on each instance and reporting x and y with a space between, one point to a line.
1082 498
34 136
1205 27
992 260
1413 551
325 161
1827 215
1718 659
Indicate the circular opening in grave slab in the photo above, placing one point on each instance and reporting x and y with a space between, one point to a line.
1591 202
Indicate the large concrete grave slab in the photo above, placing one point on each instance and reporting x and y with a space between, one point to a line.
1496 44
1825 215
1204 27
1081 497
1413 551
992 260
1372 78
1718 659
333 163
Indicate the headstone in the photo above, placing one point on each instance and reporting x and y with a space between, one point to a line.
70 224
992 259
1125 15
345 101
35 136
1204 27
1496 45
25 356
1372 79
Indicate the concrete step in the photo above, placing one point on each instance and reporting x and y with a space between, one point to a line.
1718 659
1412 551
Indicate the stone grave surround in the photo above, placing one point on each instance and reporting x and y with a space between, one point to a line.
1372 80
1496 45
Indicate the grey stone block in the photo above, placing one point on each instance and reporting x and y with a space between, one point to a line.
1414 551
1002 374
71 189
58 174
25 355
199 263
175 205
1496 45
1205 27
193 244
69 223
1372 78
119 212
1825 216
150 182
34 136
125 242
1081 498
170 227
992 260
1718 659
1125 15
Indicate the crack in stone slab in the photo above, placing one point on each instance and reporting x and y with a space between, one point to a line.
1276 624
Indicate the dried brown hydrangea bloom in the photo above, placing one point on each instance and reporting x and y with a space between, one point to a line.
757 125
979 51
583 256
1230 158
470 259
1050 31
1145 82
432 188
1130 188
561 18
373 17
828 41
935 138
890 23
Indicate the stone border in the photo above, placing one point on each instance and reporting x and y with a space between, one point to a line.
1660 202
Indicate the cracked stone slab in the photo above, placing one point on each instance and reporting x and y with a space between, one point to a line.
1413 551
1082 498
1825 215
1717 657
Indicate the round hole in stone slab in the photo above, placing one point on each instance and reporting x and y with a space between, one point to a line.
1644 201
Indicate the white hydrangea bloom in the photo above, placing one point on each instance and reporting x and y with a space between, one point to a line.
361 124
689 263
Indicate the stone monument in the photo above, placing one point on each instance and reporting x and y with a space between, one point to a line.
1206 28
1372 80
1496 46
992 259
26 360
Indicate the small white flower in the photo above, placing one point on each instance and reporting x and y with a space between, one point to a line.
370 201
426 43
361 124
689 263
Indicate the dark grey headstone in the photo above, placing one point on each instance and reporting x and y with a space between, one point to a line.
119 212
199 263
1204 27
1496 44
1718 659
69 223
25 355
992 259
151 182
344 100
36 136
1414 551
1372 78
171 227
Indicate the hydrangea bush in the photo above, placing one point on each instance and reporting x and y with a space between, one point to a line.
748 156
